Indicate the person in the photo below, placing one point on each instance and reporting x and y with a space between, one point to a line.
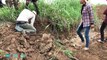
86 23
34 3
25 21
1 4
103 26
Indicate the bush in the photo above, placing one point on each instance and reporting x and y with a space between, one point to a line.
7 14
64 13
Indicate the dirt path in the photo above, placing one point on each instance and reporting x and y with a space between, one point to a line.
97 51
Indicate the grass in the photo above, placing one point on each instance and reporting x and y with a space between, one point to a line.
65 15
7 14
62 48
68 53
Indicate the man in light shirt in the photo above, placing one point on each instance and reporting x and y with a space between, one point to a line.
25 21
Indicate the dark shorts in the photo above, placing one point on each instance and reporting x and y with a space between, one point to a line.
21 22
33 0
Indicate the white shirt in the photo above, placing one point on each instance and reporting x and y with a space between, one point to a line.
25 15
3 1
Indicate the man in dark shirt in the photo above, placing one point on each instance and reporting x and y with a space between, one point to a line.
34 3
1 4
103 26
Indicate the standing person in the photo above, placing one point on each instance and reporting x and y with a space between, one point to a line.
1 4
34 3
86 23
25 21
103 26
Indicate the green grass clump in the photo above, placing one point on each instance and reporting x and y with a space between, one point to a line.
64 14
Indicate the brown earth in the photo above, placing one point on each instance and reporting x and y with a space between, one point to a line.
39 46
97 51
43 45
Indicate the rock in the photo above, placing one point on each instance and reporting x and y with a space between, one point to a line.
1 42
45 36
49 40
21 49
47 48
13 40
10 47
21 46
37 40
32 38
31 42
25 49
21 42
36 56
30 50
42 45
24 42
50 53
26 37
14 59
65 41
8 25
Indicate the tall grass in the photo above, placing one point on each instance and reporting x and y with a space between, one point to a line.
63 13
7 14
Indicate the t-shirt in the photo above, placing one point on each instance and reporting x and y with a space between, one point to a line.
25 15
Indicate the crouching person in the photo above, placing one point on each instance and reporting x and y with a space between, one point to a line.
25 21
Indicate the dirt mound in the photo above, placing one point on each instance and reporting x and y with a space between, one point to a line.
36 47
44 46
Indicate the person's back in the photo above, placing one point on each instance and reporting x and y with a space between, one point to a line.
25 15
25 21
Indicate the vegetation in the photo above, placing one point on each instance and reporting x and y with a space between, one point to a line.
7 14
63 14
64 50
